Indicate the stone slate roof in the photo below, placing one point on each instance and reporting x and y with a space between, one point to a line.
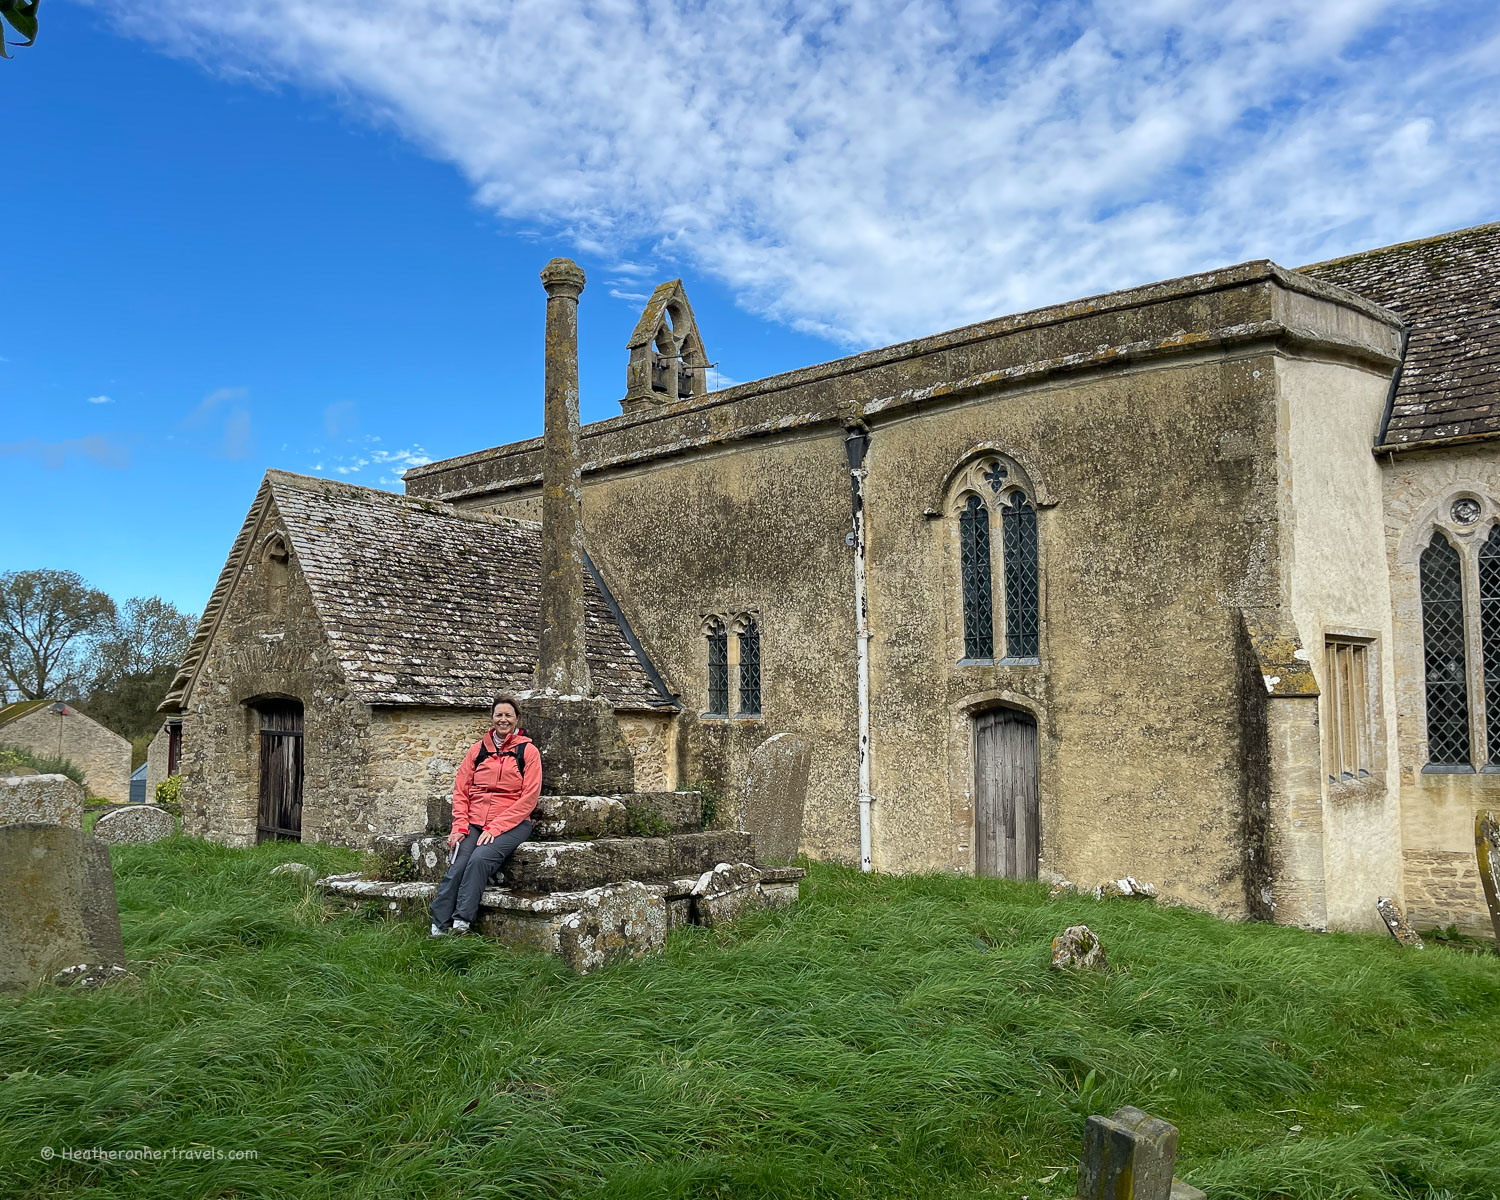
423 603
1447 291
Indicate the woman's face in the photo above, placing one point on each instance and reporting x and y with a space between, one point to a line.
502 719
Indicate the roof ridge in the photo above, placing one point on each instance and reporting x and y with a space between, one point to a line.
1407 245
444 508
18 708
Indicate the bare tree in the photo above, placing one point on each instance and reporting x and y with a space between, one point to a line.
46 617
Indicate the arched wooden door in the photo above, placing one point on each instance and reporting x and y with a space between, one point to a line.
280 815
1007 812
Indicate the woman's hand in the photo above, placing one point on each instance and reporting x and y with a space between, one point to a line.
454 837
485 838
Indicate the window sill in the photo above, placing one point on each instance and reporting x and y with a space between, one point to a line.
1363 787
1000 662
727 718
1448 769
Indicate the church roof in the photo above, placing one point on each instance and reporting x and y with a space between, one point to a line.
424 603
1447 291
20 708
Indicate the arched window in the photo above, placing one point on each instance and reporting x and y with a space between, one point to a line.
1022 619
974 560
1443 655
749 638
718 667
998 557
1489 637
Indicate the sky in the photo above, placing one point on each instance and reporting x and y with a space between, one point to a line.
307 235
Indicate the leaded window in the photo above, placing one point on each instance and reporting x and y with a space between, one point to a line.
749 636
1442 589
1022 619
974 560
1489 636
718 668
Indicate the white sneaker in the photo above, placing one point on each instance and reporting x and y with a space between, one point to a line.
437 930
460 926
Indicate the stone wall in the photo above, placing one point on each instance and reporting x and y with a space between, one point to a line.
415 756
1438 808
102 754
1333 548
156 761
270 645
1148 428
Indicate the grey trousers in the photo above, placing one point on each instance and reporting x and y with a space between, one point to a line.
470 873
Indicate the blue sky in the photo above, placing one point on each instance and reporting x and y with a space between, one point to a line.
307 235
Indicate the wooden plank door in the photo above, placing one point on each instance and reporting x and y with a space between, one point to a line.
280 814
1007 825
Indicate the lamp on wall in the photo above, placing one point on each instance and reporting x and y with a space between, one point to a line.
62 711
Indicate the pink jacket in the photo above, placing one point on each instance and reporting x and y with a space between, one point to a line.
495 795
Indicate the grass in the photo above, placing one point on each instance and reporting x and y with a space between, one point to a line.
888 1037
42 764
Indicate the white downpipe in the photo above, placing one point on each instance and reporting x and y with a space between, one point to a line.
856 444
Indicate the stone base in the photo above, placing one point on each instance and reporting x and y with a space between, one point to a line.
548 866
592 927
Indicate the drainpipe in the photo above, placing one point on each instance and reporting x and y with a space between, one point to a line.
856 445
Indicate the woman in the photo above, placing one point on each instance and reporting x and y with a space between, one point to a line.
494 794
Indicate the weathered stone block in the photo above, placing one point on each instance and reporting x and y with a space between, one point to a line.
57 904
1395 921
135 824
576 866
583 752
1078 948
559 818
723 893
694 853
41 800
775 795
1487 853
663 812
1128 1156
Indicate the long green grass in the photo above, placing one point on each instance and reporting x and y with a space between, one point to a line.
888 1037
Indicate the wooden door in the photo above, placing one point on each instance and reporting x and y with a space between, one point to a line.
1007 826
280 771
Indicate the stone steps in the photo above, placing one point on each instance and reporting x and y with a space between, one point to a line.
550 866
590 927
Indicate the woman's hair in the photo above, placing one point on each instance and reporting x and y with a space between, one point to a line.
506 698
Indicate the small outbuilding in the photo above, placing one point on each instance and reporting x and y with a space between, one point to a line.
52 729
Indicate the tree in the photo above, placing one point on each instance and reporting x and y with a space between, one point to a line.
46 618
135 657
20 16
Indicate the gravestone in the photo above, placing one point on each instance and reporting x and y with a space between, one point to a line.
1487 851
1395 920
1078 948
136 824
41 800
775 792
57 904
1130 1156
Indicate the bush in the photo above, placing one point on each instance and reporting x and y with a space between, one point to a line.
14 756
169 791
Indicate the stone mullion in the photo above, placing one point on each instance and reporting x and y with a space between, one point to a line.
1479 753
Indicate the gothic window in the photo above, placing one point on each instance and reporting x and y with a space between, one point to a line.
1443 653
1022 620
1489 636
718 667
974 559
999 569
749 639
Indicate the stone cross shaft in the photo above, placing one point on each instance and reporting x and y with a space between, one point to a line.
562 666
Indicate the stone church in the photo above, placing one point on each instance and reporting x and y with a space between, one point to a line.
1197 582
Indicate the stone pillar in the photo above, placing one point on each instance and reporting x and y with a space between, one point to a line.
562 667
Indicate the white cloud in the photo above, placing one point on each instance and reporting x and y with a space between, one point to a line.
391 462
99 449
872 170
101 400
